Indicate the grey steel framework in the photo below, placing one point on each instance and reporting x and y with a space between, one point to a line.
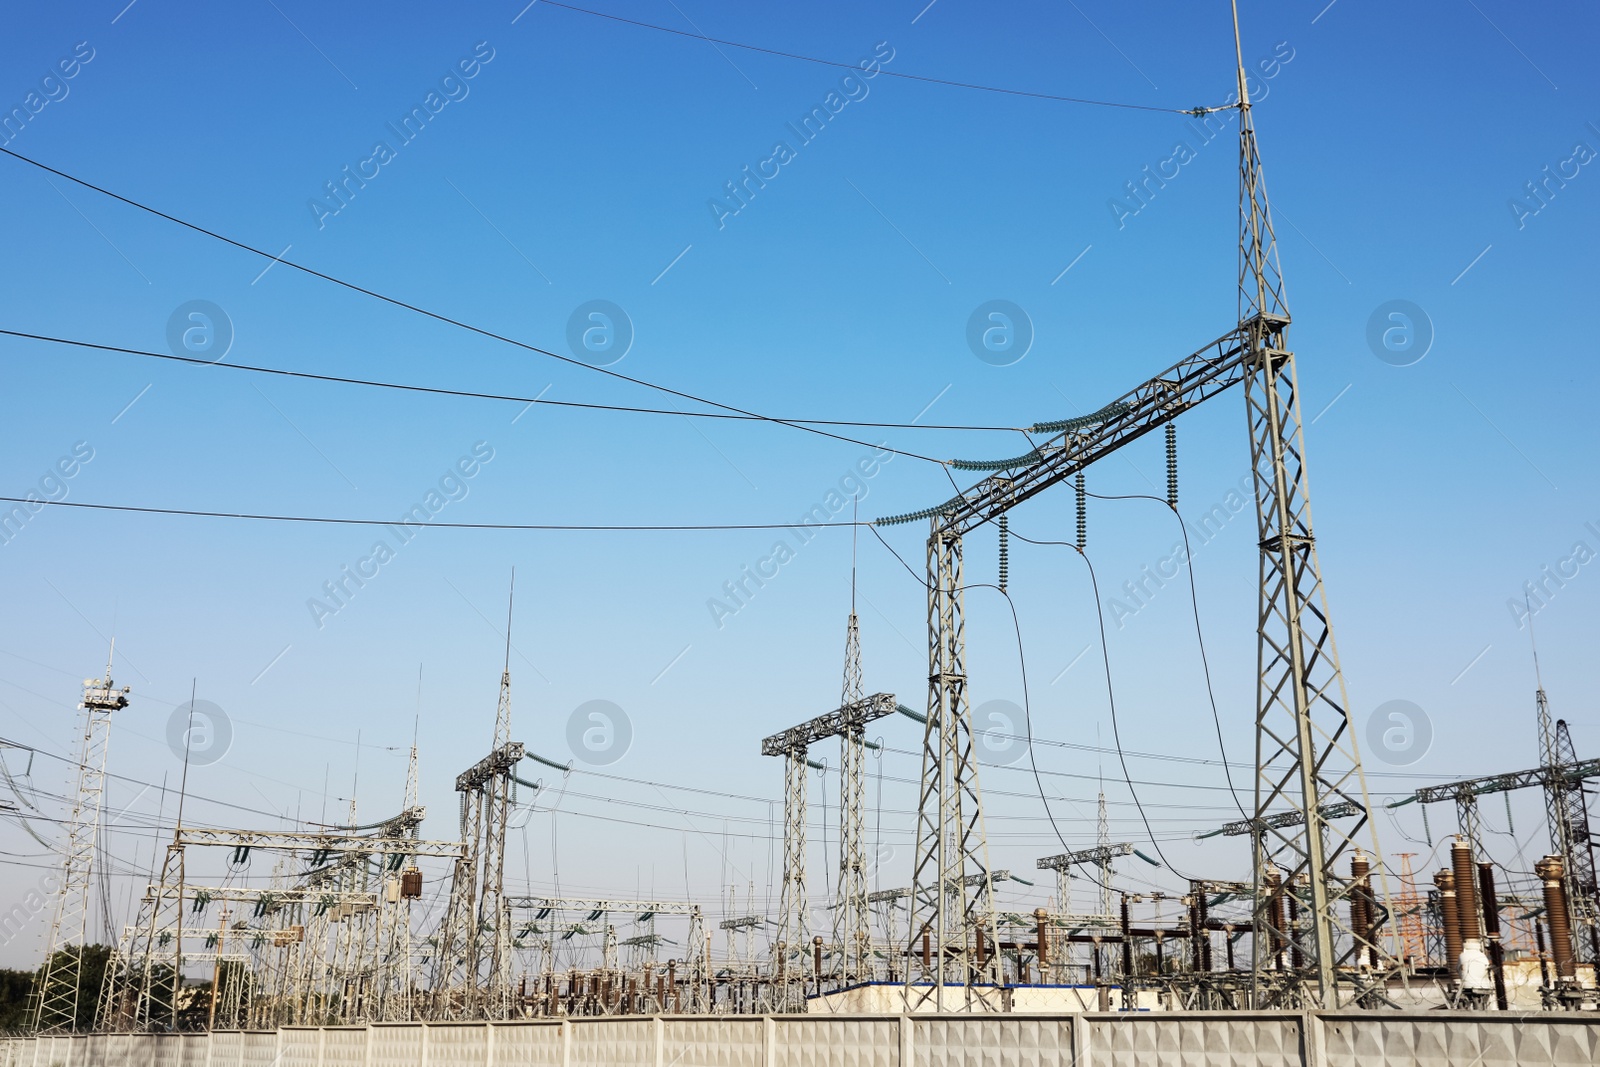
1567 815
55 994
848 720
950 919
1308 765
473 959
852 923
1582 889
153 962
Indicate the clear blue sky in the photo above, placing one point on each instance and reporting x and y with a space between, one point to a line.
579 162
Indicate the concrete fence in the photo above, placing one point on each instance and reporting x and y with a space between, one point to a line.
1175 1039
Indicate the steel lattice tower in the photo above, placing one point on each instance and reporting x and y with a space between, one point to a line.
1560 807
1579 854
852 921
494 920
793 914
56 994
952 908
1306 752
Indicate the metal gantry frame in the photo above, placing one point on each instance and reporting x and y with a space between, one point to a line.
847 721
55 994
1308 763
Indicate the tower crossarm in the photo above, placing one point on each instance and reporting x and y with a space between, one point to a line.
854 714
331 844
1099 854
1503 783
1342 809
1079 442
667 907
969 882
501 761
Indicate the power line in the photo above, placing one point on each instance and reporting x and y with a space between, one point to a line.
890 73
470 394
336 521
447 320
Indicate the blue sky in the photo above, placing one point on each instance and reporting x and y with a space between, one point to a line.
581 161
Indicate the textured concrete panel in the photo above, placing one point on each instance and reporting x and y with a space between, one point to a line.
396 1044
1379 1040
612 1042
715 1042
344 1047
259 1049
299 1047
466 1045
1138 1039
527 1044
226 1049
836 1042
992 1041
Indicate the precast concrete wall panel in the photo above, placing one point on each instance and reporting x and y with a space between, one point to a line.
167 1050
301 1047
991 1041
227 1047
396 1045
52 1052
465 1045
611 1042
257 1049
129 1051
344 1047
1381 1040
524 1045
725 1041
193 1048
835 1042
1137 1039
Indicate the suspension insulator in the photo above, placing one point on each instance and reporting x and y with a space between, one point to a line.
1004 551
1172 465
1083 512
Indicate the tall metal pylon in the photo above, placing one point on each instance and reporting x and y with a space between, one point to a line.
952 926
56 992
1102 840
852 920
494 918
1306 752
793 913
1579 866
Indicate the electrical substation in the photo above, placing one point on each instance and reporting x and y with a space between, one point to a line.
1326 927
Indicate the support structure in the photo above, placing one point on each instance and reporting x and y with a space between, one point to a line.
1573 823
1308 765
56 992
472 966
793 938
948 916
852 923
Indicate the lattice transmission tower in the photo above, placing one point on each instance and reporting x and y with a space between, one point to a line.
852 919
56 992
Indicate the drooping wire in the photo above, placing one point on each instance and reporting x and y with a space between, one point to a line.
470 394
1196 111
437 316
1199 634
1111 698
1027 706
336 521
